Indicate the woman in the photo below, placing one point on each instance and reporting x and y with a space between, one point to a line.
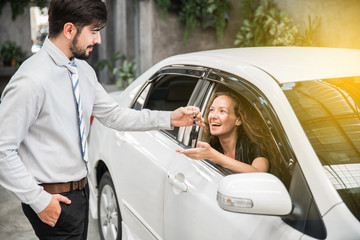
235 139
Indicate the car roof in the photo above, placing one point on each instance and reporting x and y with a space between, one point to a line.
285 64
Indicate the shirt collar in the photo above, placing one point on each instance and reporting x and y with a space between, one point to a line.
55 53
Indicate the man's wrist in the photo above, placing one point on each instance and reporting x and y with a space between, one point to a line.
41 202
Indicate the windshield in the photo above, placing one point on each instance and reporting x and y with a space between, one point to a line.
329 112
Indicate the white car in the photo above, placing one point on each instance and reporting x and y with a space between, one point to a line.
309 98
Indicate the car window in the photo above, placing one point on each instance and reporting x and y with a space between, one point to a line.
271 152
201 95
170 93
140 100
329 112
167 93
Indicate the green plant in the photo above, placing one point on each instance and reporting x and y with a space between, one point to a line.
110 63
188 15
221 16
248 7
126 73
307 38
207 13
18 6
266 26
11 53
164 6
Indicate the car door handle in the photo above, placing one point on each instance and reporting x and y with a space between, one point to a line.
178 181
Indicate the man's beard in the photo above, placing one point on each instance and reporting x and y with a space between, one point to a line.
79 53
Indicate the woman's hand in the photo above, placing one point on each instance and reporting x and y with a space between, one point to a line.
203 151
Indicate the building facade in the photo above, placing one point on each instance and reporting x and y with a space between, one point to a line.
137 29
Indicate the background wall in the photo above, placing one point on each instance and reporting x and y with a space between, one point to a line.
338 28
168 36
340 20
18 30
138 30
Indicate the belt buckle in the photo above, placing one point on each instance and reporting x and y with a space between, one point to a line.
74 185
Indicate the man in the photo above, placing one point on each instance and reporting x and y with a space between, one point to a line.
45 118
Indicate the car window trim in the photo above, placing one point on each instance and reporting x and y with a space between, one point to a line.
178 70
201 90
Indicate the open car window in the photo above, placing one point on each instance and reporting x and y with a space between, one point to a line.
170 93
167 92
252 114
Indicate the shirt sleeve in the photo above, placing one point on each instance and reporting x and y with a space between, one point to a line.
110 114
20 105
255 152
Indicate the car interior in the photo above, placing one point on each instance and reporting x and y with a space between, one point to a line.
170 93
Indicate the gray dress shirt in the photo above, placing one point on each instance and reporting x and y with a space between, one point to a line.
39 135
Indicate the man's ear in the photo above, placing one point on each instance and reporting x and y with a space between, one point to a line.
69 30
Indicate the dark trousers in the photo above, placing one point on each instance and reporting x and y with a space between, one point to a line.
72 222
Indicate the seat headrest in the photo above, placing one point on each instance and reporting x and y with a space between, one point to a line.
179 91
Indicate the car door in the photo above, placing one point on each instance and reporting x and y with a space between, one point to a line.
147 155
190 206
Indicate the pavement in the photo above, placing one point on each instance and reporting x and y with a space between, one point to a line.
15 226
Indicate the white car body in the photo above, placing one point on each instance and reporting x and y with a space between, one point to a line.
165 195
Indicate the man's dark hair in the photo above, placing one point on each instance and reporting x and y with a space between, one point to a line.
79 12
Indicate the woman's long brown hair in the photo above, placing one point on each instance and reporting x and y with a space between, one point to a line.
252 125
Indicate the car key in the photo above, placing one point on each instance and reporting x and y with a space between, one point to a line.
194 133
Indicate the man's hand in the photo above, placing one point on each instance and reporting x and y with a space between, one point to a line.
183 116
51 213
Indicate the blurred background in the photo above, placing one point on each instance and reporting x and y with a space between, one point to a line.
140 33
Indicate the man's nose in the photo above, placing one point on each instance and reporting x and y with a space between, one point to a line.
97 39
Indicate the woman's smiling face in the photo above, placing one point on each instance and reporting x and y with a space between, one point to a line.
222 119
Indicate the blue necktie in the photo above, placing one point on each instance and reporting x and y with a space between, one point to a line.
75 83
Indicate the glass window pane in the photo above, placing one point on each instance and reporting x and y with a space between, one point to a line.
328 111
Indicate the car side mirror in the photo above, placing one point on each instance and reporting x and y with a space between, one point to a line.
256 193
